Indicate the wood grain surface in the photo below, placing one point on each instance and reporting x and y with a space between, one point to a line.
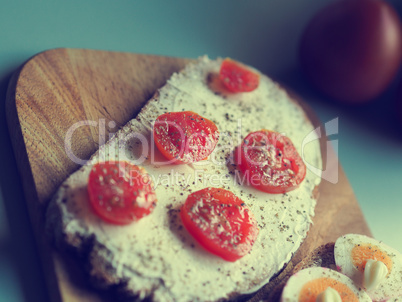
57 88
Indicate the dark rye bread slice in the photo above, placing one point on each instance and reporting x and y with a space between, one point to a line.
155 258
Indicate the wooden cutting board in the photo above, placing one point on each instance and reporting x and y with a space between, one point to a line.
57 88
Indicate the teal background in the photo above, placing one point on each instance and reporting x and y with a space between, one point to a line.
264 34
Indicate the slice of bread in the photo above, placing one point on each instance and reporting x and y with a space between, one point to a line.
155 258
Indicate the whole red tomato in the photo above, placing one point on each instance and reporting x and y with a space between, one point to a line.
398 105
352 49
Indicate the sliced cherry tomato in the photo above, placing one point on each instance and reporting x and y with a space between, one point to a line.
238 78
270 162
120 192
220 222
185 137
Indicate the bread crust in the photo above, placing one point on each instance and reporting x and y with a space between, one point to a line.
322 256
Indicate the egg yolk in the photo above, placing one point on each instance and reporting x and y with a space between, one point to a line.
361 253
313 288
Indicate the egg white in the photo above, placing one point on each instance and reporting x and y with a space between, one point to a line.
391 287
295 283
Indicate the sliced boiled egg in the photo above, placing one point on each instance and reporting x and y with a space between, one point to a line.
321 284
371 264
